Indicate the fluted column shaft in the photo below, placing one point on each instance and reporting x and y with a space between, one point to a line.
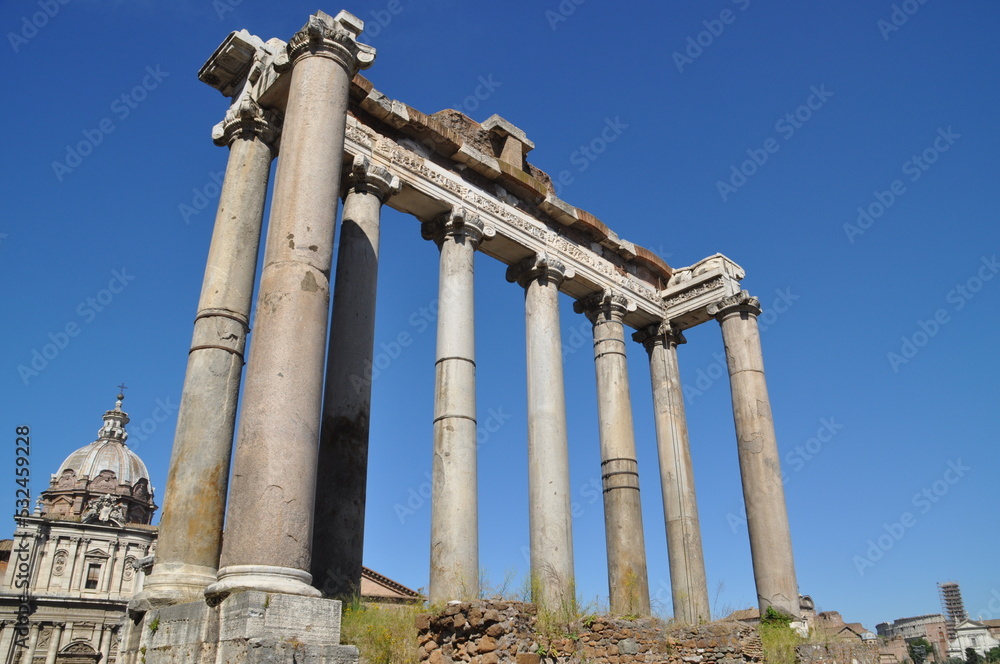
627 577
688 584
190 535
454 571
54 638
760 465
550 513
268 538
338 541
29 652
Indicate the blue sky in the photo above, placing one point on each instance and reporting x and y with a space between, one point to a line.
843 153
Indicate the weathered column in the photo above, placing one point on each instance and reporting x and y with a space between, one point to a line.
760 466
190 535
550 513
107 639
29 652
110 567
76 568
338 541
268 538
627 578
688 584
54 639
454 517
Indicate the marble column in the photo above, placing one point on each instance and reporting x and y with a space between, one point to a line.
110 566
107 639
76 565
688 584
54 639
342 470
760 465
268 538
190 533
627 577
454 571
550 513
29 652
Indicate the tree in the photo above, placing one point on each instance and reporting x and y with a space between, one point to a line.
919 649
973 657
993 654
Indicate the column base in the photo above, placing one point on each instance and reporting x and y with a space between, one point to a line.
172 583
247 627
265 578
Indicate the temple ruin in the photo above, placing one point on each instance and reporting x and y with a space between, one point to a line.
305 406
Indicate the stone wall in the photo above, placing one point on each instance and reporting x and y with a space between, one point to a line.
839 652
495 632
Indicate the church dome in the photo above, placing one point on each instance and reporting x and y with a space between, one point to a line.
104 480
108 453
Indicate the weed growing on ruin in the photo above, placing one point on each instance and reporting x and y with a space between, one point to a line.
777 636
383 634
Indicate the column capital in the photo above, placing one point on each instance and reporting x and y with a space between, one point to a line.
368 178
539 266
662 333
737 303
247 120
610 305
334 37
459 224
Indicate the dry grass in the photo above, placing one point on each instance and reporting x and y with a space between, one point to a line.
383 634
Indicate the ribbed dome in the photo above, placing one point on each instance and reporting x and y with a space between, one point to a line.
108 452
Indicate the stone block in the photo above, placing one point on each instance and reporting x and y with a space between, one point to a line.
258 615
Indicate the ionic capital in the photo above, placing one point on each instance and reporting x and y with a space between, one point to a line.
606 305
663 334
460 225
737 303
539 266
247 120
368 178
334 37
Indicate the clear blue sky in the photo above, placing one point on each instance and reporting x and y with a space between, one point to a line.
902 124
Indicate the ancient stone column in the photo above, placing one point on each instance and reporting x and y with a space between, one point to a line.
688 584
760 466
107 639
338 540
268 538
190 536
627 578
54 638
549 510
454 515
29 652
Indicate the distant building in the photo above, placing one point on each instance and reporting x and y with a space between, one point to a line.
78 558
971 634
931 626
952 605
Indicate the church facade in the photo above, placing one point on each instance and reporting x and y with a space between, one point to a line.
77 560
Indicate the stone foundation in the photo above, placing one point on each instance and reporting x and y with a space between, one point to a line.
247 628
494 632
